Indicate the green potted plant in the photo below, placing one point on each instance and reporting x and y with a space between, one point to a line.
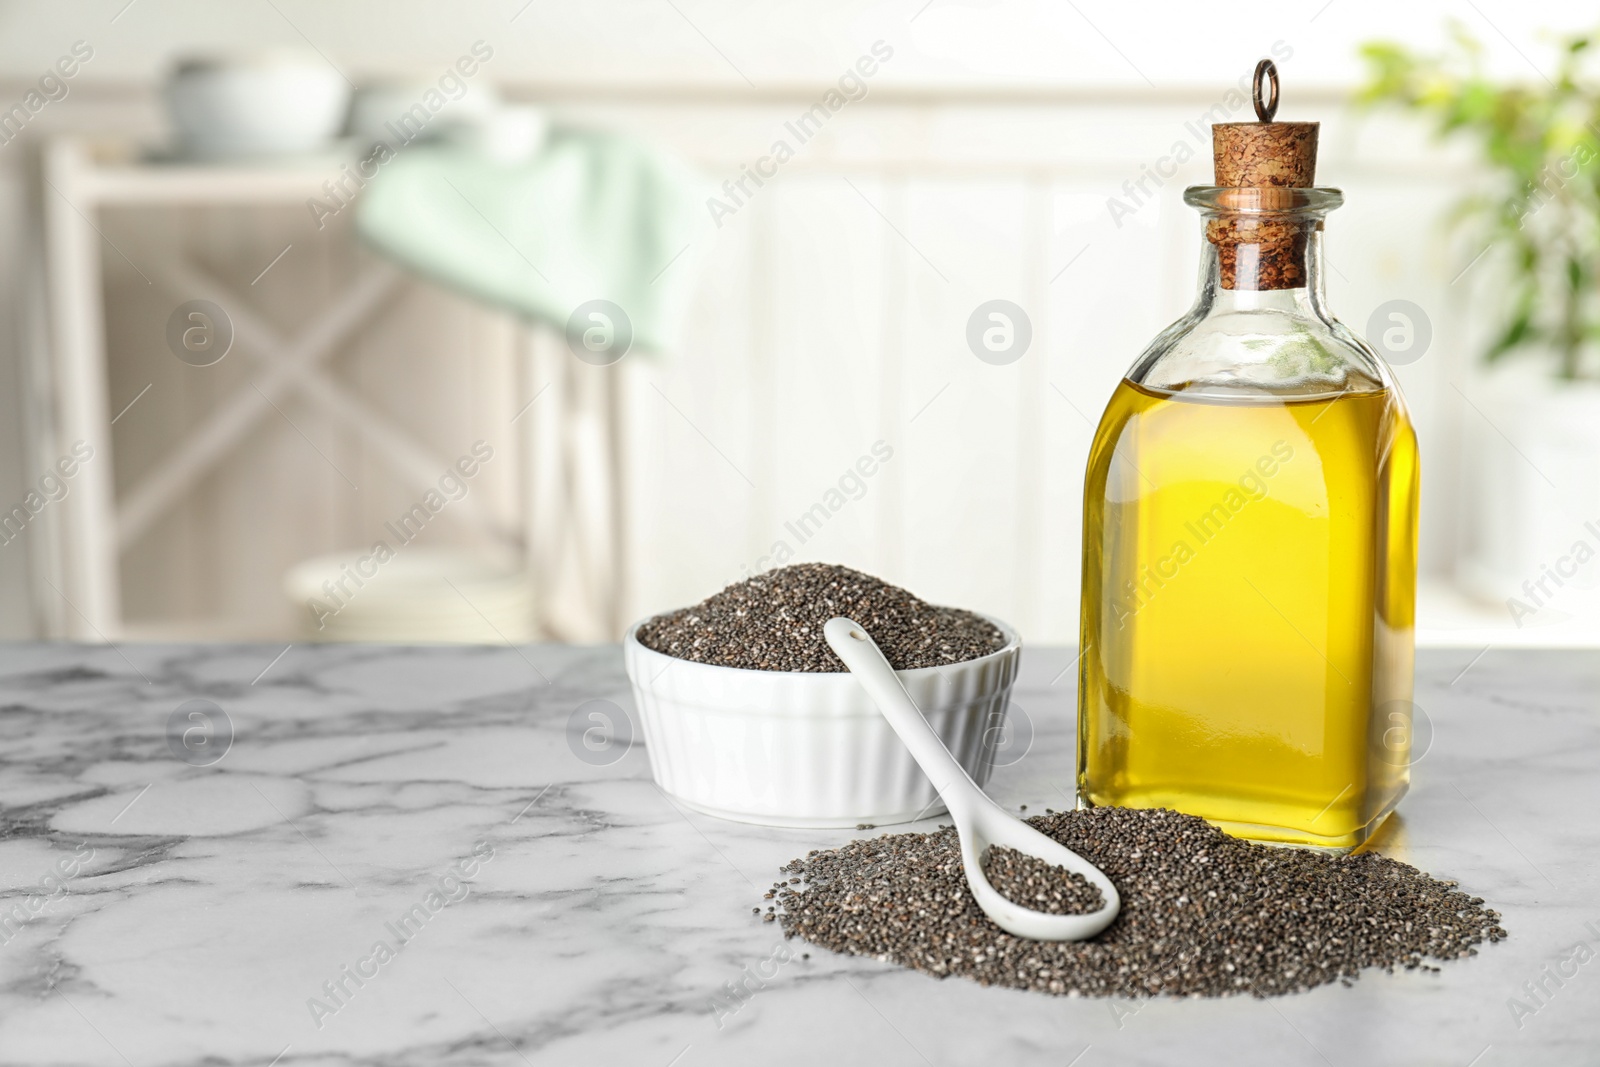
1533 537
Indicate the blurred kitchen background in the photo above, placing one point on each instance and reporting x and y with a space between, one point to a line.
393 329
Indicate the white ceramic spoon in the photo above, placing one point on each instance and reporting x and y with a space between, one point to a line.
979 821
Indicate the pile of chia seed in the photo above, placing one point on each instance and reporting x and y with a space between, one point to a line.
1033 883
1203 914
773 622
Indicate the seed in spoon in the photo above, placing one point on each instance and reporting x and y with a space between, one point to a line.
1039 885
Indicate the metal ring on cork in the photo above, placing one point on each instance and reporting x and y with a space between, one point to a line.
1267 70
1265 153
1262 172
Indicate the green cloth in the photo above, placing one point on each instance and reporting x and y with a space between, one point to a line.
591 216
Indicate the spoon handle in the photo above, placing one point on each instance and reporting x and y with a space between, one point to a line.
861 654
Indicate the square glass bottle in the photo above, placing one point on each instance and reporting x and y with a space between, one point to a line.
1250 510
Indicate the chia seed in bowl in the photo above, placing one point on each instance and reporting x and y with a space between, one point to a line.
773 622
748 715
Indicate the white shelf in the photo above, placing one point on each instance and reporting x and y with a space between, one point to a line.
552 513
109 173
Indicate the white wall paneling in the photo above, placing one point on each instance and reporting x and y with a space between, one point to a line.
830 315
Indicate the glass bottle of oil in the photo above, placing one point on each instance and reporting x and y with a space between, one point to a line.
1249 565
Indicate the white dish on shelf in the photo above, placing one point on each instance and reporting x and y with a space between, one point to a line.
801 748
396 112
508 135
257 105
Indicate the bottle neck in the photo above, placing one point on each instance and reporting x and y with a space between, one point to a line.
1244 269
1260 326
1260 241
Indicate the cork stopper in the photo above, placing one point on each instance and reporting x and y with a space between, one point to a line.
1257 158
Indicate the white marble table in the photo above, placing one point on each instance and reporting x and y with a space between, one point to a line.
204 907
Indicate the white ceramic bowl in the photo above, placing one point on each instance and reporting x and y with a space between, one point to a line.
793 748
378 109
258 105
508 135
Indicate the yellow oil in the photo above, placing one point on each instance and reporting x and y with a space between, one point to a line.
1248 594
